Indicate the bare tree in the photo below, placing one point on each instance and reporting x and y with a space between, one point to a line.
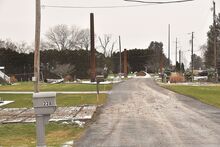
44 45
74 40
63 69
2 44
62 37
58 37
85 39
20 47
10 45
112 48
23 47
107 44
104 42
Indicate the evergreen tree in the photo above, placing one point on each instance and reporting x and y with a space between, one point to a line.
177 66
209 53
182 68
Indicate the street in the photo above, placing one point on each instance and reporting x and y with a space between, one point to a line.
139 113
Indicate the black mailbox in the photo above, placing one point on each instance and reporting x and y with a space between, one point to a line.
100 78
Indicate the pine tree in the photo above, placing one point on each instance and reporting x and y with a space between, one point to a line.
209 53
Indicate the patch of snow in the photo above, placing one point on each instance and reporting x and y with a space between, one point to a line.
2 103
143 77
89 82
68 144
200 77
79 123
65 123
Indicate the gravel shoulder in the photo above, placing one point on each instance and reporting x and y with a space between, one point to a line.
140 113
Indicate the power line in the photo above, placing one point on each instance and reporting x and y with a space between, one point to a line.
159 2
95 7
147 3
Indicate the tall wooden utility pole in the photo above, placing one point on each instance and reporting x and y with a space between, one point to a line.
180 61
161 62
169 45
214 43
176 51
37 47
125 63
92 45
192 56
40 128
119 39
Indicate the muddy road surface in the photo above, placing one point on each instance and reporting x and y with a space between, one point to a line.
139 113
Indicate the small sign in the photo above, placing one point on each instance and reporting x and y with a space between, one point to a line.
34 79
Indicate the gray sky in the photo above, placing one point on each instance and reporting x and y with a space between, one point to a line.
138 26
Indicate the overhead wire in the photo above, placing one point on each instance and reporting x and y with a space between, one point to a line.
95 7
147 3
160 2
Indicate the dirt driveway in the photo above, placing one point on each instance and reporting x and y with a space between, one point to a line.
141 114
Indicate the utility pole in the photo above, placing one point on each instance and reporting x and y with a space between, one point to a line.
192 55
92 45
176 51
125 63
169 45
161 62
40 128
37 46
119 56
214 43
180 61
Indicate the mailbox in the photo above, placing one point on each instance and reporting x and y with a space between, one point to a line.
44 103
99 78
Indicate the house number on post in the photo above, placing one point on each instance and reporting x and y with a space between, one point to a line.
46 103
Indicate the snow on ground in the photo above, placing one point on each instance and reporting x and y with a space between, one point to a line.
27 115
143 77
2 103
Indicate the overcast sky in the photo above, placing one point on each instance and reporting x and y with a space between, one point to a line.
138 26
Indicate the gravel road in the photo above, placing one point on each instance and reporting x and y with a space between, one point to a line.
139 113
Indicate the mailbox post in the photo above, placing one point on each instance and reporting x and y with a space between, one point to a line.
99 78
44 104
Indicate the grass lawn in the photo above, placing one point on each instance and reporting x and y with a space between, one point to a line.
28 86
207 94
56 134
25 100
25 134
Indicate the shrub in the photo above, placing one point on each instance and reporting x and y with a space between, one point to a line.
68 78
13 79
175 78
188 76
